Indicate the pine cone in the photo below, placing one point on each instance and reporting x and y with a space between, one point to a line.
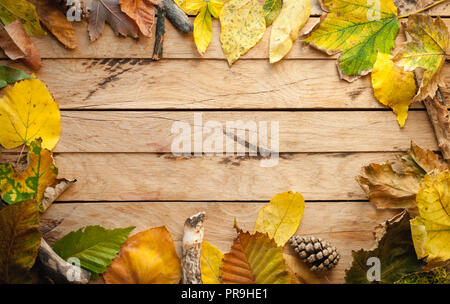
317 253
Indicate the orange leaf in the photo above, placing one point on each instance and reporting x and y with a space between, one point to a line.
142 12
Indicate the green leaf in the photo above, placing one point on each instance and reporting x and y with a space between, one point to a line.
272 9
436 276
20 240
10 75
11 10
395 251
94 246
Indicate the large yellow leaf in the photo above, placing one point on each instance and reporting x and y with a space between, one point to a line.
148 257
393 86
431 230
281 217
211 262
293 16
255 258
359 30
242 26
425 52
28 112
203 29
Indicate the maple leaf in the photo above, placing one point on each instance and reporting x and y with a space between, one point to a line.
16 44
242 26
431 230
11 10
142 12
211 262
281 217
272 9
109 11
395 185
148 257
10 75
28 112
56 22
393 86
425 52
395 251
285 29
19 241
358 31
254 258
94 246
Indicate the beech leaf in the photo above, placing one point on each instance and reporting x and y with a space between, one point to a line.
272 9
143 12
94 246
19 241
12 10
10 75
211 262
285 29
425 52
242 26
148 257
281 217
109 11
28 112
358 31
395 251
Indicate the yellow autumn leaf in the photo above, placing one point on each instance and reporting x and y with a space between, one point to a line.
211 262
190 7
28 112
203 29
148 257
281 217
242 26
393 86
215 7
293 16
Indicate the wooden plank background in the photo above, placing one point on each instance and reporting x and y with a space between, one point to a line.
118 107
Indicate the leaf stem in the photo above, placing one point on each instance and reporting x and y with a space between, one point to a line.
423 9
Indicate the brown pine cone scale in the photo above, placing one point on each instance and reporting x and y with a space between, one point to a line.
320 255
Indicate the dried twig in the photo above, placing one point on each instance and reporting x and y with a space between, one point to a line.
192 247
160 34
178 18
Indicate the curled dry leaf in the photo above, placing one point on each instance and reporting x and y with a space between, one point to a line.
358 31
10 75
142 12
28 112
25 12
285 29
16 44
211 262
52 193
148 257
393 86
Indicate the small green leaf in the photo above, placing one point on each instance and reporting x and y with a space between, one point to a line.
10 75
94 246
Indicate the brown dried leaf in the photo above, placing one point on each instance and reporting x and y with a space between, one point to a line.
142 12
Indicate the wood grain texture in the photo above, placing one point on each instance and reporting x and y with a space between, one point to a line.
322 131
347 225
206 84
145 177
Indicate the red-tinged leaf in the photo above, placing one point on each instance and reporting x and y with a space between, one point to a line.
143 12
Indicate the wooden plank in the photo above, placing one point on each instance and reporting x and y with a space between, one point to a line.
206 84
144 177
176 45
355 131
348 226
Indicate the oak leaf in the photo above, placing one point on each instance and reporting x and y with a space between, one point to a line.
358 31
242 26
395 251
19 241
211 262
281 217
393 86
272 9
254 258
285 29
94 246
109 11
10 75
28 112
425 53
143 12
12 10
148 257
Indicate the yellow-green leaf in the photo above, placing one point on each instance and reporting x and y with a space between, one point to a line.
425 52
211 262
393 86
28 112
281 217
11 10
190 7
272 9
293 16
242 27
357 29
203 29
